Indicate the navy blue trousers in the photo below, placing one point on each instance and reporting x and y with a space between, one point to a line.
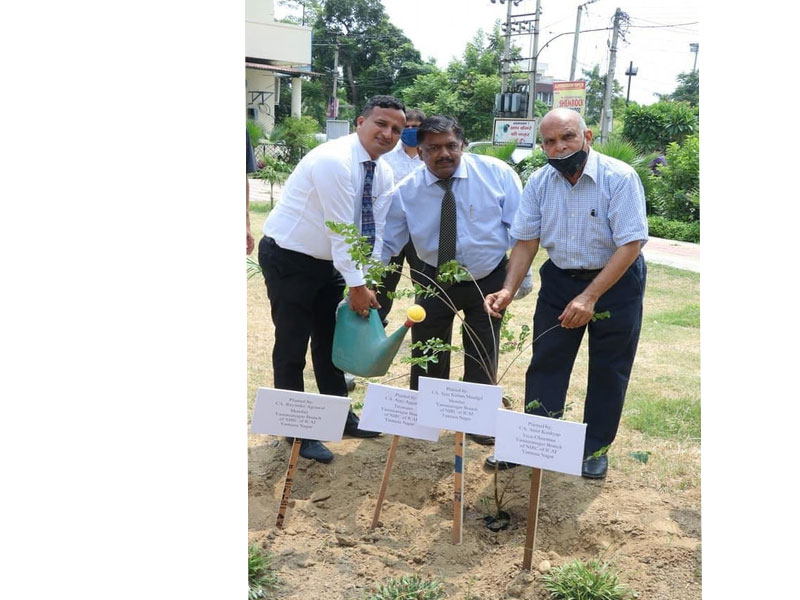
612 348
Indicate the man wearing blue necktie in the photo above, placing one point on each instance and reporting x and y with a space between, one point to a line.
306 266
459 207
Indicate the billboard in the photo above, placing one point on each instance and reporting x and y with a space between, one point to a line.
522 131
570 94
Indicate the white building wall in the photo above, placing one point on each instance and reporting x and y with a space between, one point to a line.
279 43
262 94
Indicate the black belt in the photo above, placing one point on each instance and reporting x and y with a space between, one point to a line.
582 274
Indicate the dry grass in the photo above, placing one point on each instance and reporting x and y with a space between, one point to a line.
662 408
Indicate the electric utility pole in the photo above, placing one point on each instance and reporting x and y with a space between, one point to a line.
334 110
575 43
534 54
606 115
506 50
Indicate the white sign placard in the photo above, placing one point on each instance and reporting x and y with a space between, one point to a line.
299 414
394 410
522 131
458 405
541 442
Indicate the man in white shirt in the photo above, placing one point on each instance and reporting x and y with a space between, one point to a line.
403 159
459 207
306 265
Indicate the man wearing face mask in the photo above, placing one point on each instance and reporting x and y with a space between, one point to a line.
403 159
588 211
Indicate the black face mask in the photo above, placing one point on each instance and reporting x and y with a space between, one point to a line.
569 165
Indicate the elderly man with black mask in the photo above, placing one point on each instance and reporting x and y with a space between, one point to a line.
588 211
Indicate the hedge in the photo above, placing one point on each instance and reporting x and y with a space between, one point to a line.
674 230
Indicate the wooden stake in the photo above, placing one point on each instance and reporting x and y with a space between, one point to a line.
387 471
533 516
458 484
287 485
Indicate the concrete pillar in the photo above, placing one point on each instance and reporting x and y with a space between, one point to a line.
297 86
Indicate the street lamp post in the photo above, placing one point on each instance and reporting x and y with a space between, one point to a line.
694 47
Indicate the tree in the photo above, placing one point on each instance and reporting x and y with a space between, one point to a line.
688 89
595 95
375 56
466 89
307 11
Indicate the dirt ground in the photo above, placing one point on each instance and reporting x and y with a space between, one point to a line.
643 518
326 549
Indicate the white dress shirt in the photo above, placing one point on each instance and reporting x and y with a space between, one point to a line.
402 164
487 193
581 226
326 186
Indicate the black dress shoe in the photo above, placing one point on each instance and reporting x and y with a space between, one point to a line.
351 428
483 440
595 468
315 450
502 465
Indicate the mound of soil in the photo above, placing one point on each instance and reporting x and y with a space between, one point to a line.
327 550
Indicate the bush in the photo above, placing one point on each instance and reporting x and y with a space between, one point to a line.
677 188
260 574
297 135
656 126
503 152
673 230
584 581
531 164
256 131
409 587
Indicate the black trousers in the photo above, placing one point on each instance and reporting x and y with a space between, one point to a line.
391 280
303 294
612 348
480 348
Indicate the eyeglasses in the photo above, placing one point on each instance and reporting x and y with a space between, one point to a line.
452 147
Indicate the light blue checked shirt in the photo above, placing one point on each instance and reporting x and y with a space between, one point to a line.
581 226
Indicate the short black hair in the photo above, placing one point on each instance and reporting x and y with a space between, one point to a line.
439 124
415 114
382 102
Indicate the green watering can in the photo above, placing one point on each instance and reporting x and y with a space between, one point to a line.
361 346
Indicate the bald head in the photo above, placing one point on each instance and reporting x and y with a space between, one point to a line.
564 116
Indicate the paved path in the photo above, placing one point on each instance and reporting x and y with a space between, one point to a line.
681 255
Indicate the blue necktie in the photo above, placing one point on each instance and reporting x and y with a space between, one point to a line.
367 219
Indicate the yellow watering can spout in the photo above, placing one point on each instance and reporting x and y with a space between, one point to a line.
361 346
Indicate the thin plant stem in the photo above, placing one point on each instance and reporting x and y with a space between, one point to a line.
523 350
473 336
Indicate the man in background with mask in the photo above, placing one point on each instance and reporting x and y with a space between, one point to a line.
588 211
403 160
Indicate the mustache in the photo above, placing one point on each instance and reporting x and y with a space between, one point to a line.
444 161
